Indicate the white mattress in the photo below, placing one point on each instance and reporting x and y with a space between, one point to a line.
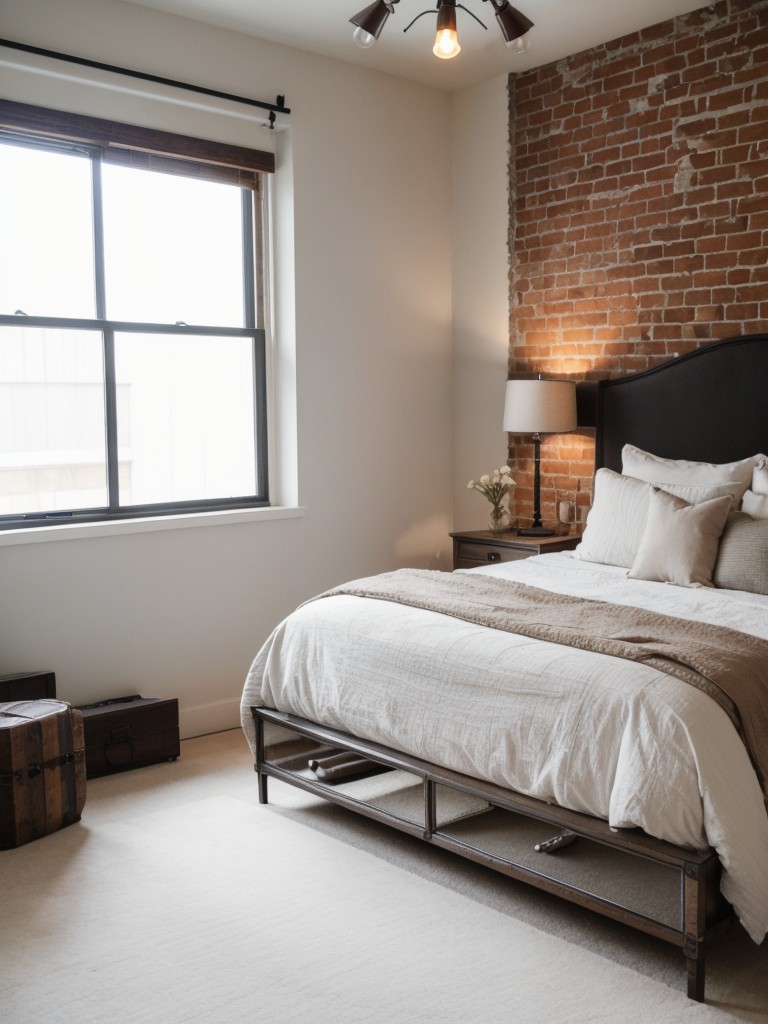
598 734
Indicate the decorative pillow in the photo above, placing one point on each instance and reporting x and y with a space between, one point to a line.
760 478
742 563
616 520
619 511
680 542
755 505
663 472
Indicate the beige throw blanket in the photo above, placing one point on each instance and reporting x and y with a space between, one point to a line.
731 667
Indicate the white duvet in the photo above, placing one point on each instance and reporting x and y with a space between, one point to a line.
598 734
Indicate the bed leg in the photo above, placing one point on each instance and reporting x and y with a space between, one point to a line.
260 757
694 916
696 969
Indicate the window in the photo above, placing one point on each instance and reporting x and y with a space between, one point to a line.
132 349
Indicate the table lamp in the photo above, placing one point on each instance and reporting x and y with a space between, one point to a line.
539 407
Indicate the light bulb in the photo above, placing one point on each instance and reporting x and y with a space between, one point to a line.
521 44
362 38
446 43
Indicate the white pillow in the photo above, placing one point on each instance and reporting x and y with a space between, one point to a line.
681 541
760 478
755 505
616 521
663 472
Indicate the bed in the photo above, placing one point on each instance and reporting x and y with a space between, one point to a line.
623 766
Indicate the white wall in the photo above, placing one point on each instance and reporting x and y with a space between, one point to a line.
364 324
480 291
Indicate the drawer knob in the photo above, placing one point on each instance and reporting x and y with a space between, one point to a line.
494 556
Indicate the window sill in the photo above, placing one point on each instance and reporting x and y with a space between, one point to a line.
150 524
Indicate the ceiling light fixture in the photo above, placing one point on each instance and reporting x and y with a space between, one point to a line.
371 21
514 26
447 38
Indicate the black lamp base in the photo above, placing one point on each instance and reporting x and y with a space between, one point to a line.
537 530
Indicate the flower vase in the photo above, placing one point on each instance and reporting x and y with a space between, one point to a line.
500 520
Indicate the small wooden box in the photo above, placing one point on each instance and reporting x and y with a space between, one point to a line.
42 769
129 732
28 686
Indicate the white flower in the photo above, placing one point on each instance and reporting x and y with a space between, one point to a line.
494 485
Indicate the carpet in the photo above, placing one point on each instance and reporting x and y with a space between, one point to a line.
179 899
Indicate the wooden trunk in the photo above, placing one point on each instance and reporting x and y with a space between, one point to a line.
28 686
42 769
129 732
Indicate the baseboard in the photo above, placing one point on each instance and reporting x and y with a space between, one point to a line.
218 717
205 718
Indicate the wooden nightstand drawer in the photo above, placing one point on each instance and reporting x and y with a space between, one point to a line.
472 554
474 548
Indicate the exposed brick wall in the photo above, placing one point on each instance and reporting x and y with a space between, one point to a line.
638 210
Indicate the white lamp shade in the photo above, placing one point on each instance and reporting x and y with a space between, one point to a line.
540 407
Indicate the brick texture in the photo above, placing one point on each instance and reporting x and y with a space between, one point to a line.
638 212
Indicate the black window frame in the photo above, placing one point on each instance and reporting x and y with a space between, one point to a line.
147 149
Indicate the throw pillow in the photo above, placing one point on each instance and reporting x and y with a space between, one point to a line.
680 542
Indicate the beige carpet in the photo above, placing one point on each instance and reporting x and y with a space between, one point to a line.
179 899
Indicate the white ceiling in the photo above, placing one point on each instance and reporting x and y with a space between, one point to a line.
561 27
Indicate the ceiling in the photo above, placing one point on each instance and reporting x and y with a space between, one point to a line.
561 27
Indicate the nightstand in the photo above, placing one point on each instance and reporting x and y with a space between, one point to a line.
473 548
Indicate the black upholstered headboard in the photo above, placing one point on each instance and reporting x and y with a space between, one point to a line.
710 405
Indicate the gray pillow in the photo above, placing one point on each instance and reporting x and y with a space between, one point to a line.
742 563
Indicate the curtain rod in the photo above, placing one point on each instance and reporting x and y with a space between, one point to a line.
274 108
